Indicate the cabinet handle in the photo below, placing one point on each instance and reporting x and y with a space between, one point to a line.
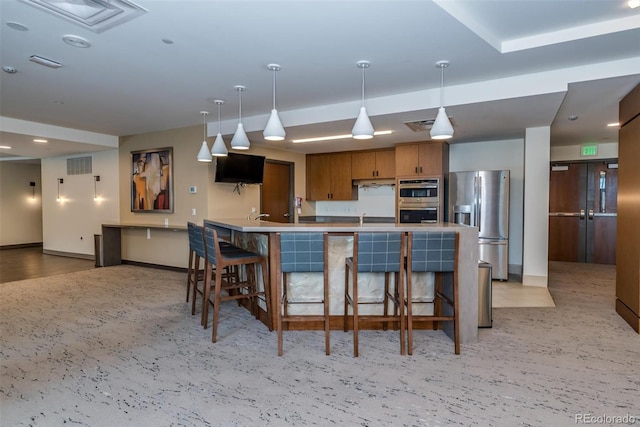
373 173
416 169
420 169
377 173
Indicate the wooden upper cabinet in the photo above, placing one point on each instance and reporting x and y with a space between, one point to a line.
373 164
329 177
422 159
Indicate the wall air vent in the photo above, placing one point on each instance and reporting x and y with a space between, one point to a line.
95 15
79 166
423 125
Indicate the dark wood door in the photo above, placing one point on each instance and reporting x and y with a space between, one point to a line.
276 195
582 206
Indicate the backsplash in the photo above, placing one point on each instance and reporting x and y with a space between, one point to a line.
372 200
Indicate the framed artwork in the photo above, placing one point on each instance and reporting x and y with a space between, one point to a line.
152 180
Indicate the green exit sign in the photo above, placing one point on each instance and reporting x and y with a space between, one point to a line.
589 150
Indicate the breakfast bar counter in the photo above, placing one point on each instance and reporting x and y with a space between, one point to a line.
259 236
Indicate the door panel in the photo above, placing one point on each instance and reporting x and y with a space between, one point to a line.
582 212
275 193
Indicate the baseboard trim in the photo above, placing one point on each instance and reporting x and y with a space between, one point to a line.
628 315
22 245
68 254
541 281
158 266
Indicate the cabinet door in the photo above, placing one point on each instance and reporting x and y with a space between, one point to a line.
407 160
385 164
430 158
318 177
363 165
340 174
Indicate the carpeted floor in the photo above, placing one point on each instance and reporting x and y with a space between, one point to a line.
117 346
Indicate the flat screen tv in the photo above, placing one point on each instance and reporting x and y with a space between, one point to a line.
240 169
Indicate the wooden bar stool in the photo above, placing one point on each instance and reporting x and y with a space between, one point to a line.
197 251
437 252
376 253
236 290
301 253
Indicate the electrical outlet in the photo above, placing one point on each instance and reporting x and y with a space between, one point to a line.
253 210
193 211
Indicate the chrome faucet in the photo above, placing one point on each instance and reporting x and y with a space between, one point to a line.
250 213
362 218
262 215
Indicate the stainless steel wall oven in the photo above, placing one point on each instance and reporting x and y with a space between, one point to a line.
419 200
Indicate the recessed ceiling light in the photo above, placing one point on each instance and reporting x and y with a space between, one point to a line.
573 118
17 26
76 41
332 137
633 3
40 140
8 69
616 124
167 41
5 147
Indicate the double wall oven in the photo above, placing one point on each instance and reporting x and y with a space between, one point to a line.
419 200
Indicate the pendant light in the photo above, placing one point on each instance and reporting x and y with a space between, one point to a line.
442 128
204 155
362 129
240 140
219 148
274 131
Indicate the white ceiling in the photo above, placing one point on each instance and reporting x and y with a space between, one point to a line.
514 64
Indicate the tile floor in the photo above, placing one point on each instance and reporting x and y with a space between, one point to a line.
514 294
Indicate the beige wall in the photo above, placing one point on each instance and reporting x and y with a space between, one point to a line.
212 200
69 225
20 210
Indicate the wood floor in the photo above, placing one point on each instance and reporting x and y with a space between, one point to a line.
29 263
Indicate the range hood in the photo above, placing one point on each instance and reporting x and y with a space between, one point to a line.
374 182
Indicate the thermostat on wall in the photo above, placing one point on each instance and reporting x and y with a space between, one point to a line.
193 189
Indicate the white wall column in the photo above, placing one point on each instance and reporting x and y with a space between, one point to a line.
535 263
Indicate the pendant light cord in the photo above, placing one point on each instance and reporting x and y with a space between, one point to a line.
442 86
218 118
363 68
240 106
204 126
274 88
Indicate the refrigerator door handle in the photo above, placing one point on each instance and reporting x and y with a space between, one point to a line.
479 203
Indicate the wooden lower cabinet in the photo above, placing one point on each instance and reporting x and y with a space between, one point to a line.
329 177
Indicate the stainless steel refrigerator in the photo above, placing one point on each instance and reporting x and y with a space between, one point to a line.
481 199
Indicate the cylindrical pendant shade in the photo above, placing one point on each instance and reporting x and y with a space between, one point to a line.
219 148
240 141
204 155
441 128
362 129
274 131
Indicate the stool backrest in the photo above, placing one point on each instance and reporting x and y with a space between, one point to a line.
196 239
212 245
433 250
379 252
302 252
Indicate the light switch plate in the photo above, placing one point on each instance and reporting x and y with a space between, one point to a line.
193 189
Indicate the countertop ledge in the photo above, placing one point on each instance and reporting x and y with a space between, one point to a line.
244 225
345 219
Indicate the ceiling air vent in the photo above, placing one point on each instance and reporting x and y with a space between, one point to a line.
422 125
95 15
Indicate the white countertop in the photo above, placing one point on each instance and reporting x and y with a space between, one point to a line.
257 226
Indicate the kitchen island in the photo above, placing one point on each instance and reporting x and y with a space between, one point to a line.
259 236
